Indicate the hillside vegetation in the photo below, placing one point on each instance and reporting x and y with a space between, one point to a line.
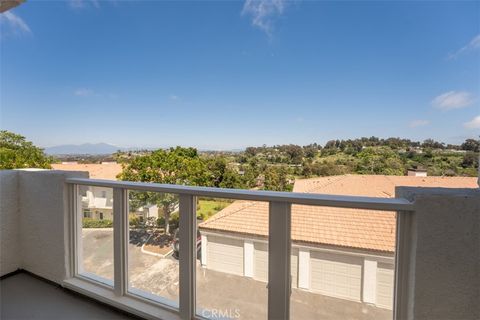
276 167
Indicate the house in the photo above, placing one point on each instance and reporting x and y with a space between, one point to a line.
338 252
148 211
97 202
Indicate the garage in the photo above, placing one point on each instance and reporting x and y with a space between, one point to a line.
260 263
294 267
385 280
225 254
336 275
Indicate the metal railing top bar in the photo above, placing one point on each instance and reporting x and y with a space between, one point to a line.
355 202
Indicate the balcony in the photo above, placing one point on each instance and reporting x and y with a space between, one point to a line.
436 254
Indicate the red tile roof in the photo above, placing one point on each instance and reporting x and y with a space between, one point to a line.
353 228
108 171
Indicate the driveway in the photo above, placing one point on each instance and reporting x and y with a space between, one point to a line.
218 293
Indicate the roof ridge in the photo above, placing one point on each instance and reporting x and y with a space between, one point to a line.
219 215
338 178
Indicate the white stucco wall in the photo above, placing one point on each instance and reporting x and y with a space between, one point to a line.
44 207
10 255
303 268
369 281
445 268
35 222
248 258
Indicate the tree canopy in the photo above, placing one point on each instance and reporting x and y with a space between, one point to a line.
177 165
16 152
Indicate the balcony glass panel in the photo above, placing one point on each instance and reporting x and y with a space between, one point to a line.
342 263
95 236
232 259
153 269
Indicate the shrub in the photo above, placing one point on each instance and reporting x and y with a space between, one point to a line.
134 221
95 223
161 222
174 221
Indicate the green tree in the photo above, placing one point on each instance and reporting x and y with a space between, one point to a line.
379 160
276 179
16 152
294 152
174 166
471 145
221 175
470 160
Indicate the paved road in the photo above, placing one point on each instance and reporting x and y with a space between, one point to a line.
216 291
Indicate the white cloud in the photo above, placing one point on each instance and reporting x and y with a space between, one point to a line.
419 123
84 92
453 100
263 13
472 45
87 92
173 97
473 124
15 23
80 4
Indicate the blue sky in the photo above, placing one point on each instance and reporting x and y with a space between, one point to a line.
229 74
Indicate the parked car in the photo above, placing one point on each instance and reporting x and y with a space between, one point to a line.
176 244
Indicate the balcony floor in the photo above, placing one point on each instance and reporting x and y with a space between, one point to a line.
23 296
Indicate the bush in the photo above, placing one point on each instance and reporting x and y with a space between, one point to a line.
174 221
134 221
161 222
95 223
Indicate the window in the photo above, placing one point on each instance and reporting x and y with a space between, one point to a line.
87 213
94 241
153 266
229 271
232 268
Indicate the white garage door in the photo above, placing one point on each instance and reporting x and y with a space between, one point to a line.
261 263
336 275
294 267
385 286
225 254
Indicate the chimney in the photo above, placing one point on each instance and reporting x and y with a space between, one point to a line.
417 172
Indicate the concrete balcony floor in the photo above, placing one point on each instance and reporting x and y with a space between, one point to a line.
23 296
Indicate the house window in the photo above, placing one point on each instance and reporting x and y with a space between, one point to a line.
87 214
104 194
92 263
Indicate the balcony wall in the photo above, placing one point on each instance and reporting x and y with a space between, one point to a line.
444 280
445 253
33 215
10 255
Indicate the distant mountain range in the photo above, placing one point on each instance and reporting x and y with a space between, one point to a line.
86 148
103 149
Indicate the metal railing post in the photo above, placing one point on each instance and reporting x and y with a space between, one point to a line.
188 226
279 278
403 258
120 240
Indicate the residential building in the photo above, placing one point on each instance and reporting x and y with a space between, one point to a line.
339 252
